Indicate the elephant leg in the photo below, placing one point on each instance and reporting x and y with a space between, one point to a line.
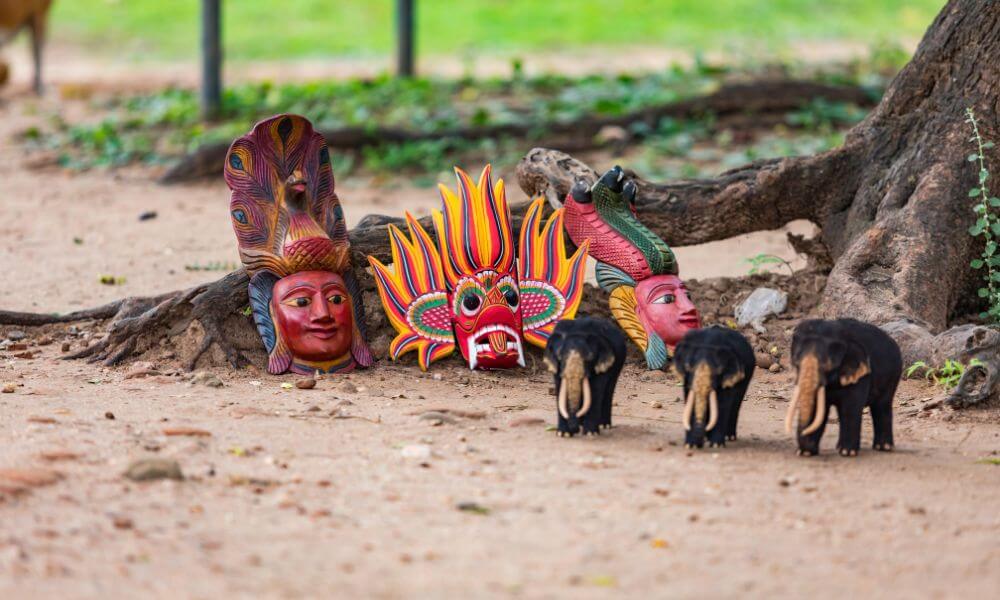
727 407
607 399
734 416
881 409
809 444
563 428
850 403
591 422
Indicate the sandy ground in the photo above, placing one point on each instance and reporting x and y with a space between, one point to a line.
347 491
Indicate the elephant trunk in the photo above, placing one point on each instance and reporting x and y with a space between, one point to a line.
574 388
702 401
808 399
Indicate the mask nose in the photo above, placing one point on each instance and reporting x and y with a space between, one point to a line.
319 310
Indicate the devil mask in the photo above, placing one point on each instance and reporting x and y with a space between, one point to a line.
473 290
293 243
638 269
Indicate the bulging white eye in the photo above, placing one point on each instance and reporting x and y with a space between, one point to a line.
470 304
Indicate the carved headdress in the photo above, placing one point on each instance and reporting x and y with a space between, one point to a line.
289 222
475 288
634 265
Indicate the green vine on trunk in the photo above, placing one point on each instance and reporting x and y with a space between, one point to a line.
987 225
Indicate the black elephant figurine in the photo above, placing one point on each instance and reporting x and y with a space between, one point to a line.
716 365
850 365
585 356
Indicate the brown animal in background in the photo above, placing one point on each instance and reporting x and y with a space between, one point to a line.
19 14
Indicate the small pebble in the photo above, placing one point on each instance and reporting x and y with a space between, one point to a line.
774 368
148 469
349 388
9 388
306 384
15 335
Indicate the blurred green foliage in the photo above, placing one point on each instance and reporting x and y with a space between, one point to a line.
263 29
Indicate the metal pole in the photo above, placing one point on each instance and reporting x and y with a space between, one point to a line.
211 57
404 38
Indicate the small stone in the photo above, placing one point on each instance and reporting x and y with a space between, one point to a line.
66 346
437 418
764 361
42 420
348 388
437 377
306 384
121 522
25 355
149 469
207 379
788 481
141 368
344 402
109 415
15 335
416 451
774 368
9 388
657 404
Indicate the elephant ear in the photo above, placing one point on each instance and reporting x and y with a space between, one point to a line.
732 371
855 365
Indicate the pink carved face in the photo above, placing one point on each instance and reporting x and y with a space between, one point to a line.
313 313
665 308
487 315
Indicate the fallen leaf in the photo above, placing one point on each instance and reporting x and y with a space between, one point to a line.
190 431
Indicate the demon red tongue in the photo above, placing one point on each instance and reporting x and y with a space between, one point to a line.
498 342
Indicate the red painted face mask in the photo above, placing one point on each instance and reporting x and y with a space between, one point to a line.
293 243
664 308
312 310
475 289
487 317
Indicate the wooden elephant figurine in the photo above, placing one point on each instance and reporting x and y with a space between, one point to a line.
716 365
847 364
585 356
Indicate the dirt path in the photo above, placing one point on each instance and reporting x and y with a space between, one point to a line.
334 492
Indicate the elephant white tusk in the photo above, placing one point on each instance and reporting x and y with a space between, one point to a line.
586 398
688 410
790 415
563 410
820 411
713 410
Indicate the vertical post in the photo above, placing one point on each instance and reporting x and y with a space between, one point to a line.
211 58
404 38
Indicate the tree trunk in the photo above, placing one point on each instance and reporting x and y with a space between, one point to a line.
892 203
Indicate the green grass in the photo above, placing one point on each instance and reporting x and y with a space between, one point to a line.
254 29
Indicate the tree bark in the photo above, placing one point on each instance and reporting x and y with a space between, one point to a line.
892 203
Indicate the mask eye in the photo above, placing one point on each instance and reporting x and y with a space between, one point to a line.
300 302
336 299
240 216
511 297
470 303
665 299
